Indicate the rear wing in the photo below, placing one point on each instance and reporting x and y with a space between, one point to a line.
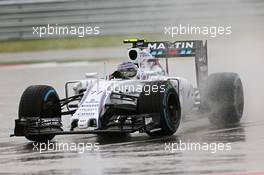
190 48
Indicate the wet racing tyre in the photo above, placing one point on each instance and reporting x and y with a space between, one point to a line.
40 101
163 105
223 97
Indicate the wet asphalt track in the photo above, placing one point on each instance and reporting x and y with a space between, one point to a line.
138 154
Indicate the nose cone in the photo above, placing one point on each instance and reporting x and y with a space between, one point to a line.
83 123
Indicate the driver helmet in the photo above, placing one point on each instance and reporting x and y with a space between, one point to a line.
128 69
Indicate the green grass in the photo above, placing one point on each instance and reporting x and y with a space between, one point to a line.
70 43
68 60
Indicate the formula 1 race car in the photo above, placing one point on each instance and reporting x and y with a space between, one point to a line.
139 96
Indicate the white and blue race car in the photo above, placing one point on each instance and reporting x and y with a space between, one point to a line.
140 96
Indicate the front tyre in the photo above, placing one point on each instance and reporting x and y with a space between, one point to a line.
164 107
40 101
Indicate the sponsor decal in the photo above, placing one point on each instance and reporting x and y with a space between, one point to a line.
182 45
158 45
157 52
178 48
175 45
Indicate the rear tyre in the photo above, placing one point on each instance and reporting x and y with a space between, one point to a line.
39 101
223 97
163 105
